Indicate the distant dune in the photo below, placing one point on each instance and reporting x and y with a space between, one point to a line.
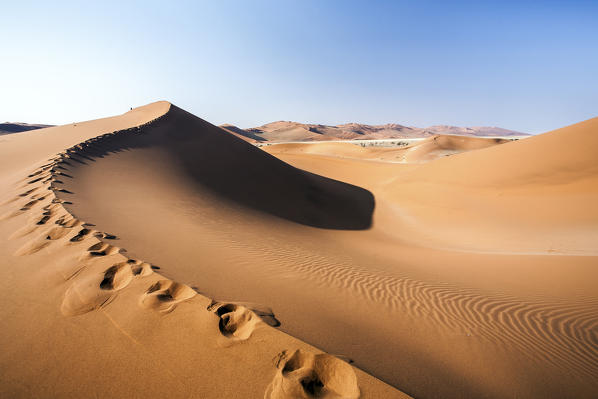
426 150
282 131
16 127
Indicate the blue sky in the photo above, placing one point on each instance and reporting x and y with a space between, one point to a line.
528 66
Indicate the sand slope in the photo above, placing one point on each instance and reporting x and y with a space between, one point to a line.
82 317
418 272
536 195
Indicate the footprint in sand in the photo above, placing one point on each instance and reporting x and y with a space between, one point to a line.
140 268
306 375
236 321
81 235
31 203
94 291
59 201
164 295
45 217
37 172
38 179
60 190
68 221
101 249
26 193
106 236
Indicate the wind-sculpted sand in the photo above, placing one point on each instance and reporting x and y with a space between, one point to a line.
119 252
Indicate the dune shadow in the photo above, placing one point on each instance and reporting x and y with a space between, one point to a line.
242 173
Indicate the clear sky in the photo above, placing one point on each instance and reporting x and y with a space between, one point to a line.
528 66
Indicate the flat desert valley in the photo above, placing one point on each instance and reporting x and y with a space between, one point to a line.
153 254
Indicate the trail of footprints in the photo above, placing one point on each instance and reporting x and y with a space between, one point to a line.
299 374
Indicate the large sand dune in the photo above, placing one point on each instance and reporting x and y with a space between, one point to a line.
441 278
83 317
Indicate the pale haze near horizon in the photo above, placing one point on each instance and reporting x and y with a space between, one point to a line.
526 66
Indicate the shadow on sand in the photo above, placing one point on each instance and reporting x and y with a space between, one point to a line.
240 172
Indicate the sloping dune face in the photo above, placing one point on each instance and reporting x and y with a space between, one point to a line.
241 173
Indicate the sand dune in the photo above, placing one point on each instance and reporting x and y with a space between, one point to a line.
93 315
157 244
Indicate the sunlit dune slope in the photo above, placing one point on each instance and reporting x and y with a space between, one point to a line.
534 195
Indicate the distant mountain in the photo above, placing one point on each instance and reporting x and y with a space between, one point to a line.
295 131
473 131
16 127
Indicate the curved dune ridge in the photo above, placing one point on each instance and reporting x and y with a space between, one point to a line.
241 172
97 274
306 245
